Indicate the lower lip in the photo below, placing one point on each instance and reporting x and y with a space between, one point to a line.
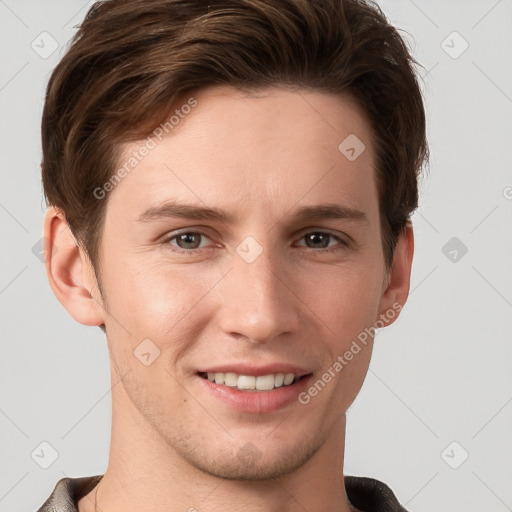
257 401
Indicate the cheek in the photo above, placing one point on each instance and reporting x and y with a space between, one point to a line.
345 299
158 303
150 314
347 307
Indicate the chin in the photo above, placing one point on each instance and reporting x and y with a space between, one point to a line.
249 463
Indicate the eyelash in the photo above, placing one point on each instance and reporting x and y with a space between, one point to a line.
342 243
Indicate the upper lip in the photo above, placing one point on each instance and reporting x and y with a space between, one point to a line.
251 369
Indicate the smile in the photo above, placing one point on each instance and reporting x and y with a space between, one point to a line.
251 382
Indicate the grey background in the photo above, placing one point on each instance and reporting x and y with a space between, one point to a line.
441 374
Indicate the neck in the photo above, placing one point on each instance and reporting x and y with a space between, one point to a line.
145 473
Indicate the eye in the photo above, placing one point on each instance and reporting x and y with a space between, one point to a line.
320 240
186 241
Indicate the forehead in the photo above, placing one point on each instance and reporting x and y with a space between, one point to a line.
255 150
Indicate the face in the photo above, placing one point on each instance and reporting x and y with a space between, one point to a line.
245 245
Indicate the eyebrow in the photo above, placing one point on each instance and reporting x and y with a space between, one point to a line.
173 209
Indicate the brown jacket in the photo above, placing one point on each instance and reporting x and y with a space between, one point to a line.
366 494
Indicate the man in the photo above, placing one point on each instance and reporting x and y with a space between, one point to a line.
230 186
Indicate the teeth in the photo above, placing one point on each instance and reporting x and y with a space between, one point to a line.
250 382
246 382
231 380
288 379
265 382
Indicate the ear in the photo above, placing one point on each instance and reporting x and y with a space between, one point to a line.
395 289
70 271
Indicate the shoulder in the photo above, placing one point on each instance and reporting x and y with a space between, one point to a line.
371 495
67 492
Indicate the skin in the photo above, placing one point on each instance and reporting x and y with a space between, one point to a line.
173 445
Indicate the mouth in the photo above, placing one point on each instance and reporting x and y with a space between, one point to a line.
253 383
255 389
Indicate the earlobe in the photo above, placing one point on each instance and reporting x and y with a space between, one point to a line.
70 272
397 282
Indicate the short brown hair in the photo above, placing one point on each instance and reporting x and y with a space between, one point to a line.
131 59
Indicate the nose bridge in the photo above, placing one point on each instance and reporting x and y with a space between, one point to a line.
256 300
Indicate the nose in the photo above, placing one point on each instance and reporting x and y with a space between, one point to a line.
257 299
